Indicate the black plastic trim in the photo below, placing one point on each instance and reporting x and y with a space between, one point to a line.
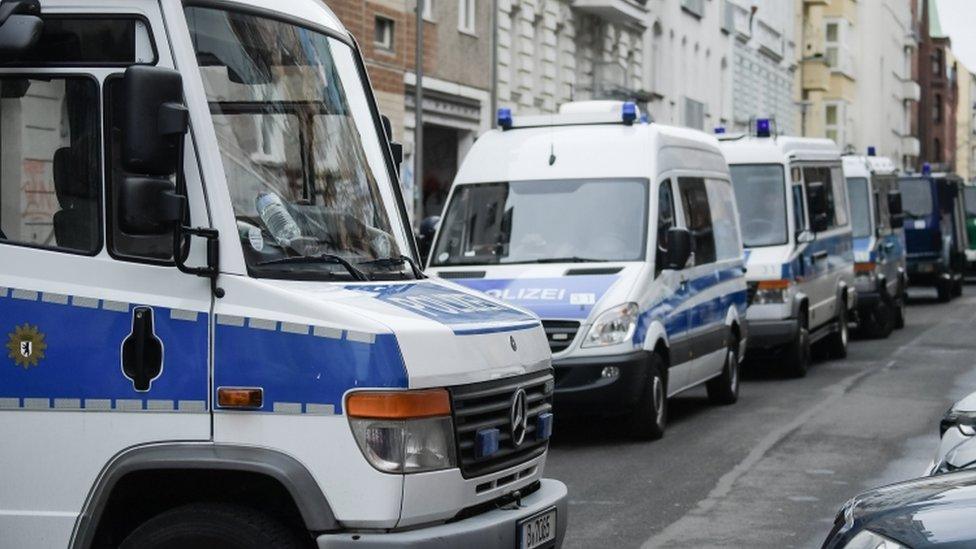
301 485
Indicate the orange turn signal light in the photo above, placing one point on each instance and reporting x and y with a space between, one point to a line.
774 284
240 397
399 404
865 267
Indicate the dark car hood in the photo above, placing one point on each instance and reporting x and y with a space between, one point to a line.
935 511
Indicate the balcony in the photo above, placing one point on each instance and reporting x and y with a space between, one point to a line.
770 41
910 146
626 12
911 91
816 75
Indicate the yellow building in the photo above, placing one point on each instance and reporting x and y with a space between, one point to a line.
965 141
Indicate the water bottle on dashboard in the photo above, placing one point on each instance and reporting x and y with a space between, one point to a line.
276 218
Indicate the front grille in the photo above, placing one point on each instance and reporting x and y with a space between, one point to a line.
751 288
487 405
560 333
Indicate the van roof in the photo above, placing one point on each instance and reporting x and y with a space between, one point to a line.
768 150
863 166
313 11
588 151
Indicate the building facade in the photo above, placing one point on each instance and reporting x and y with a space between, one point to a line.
763 62
937 78
965 157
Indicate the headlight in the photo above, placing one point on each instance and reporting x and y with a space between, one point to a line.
870 540
403 431
771 292
964 420
614 326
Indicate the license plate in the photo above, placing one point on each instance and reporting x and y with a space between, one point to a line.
538 530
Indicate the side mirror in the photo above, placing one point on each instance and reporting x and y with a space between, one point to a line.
20 25
395 148
679 248
805 237
425 236
154 123
820 222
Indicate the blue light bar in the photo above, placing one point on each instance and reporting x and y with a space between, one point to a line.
763 127
872 151
926 169
719 130
629 113
486 443
505 118
543 426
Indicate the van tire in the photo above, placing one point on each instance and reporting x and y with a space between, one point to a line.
798 355
836 342
943 289
217 525
899 307
957 288
881 320
650 417
724 389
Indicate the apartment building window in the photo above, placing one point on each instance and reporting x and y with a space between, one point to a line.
837 37
383 33
466 14
694 114
834 114
694 7
937 109
428 11
937 57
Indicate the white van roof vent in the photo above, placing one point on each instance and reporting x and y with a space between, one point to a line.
576 114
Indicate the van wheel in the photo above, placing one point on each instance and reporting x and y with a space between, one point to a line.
211 526
797 355
900 311
957 288
944 290
650 416
881 320
724 389
836 343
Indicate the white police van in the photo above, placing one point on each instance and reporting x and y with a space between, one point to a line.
796 229
214 330
622 236
881 277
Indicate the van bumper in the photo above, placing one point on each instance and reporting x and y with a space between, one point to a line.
581 388
769 334
496 528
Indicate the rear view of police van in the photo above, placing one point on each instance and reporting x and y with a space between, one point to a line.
622 236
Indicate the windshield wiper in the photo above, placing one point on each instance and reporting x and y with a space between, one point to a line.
571 259
396 262
319 258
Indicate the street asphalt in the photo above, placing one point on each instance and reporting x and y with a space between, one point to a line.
773 469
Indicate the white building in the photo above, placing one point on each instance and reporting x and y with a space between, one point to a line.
881 113
554 51
763 62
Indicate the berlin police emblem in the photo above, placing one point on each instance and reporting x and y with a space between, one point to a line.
26 346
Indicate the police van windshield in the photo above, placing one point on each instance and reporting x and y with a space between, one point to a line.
916 197
970 197
304 167
857 189
544 222
760 193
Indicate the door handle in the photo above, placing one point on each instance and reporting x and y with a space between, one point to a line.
817 256
142 351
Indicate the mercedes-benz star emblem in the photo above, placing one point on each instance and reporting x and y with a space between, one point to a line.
511 341
519 417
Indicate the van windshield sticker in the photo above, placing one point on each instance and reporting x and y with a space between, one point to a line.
464 313
570 297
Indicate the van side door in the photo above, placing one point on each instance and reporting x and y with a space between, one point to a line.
673 286
106 342
825 257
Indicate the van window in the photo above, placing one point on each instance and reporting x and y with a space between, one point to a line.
50 162
820 196
916 197
799 219
698 218
544 222
970 197
860 206
840 196
665 221
760 193
726 229
90 40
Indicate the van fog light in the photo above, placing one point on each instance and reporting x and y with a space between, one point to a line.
610 372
